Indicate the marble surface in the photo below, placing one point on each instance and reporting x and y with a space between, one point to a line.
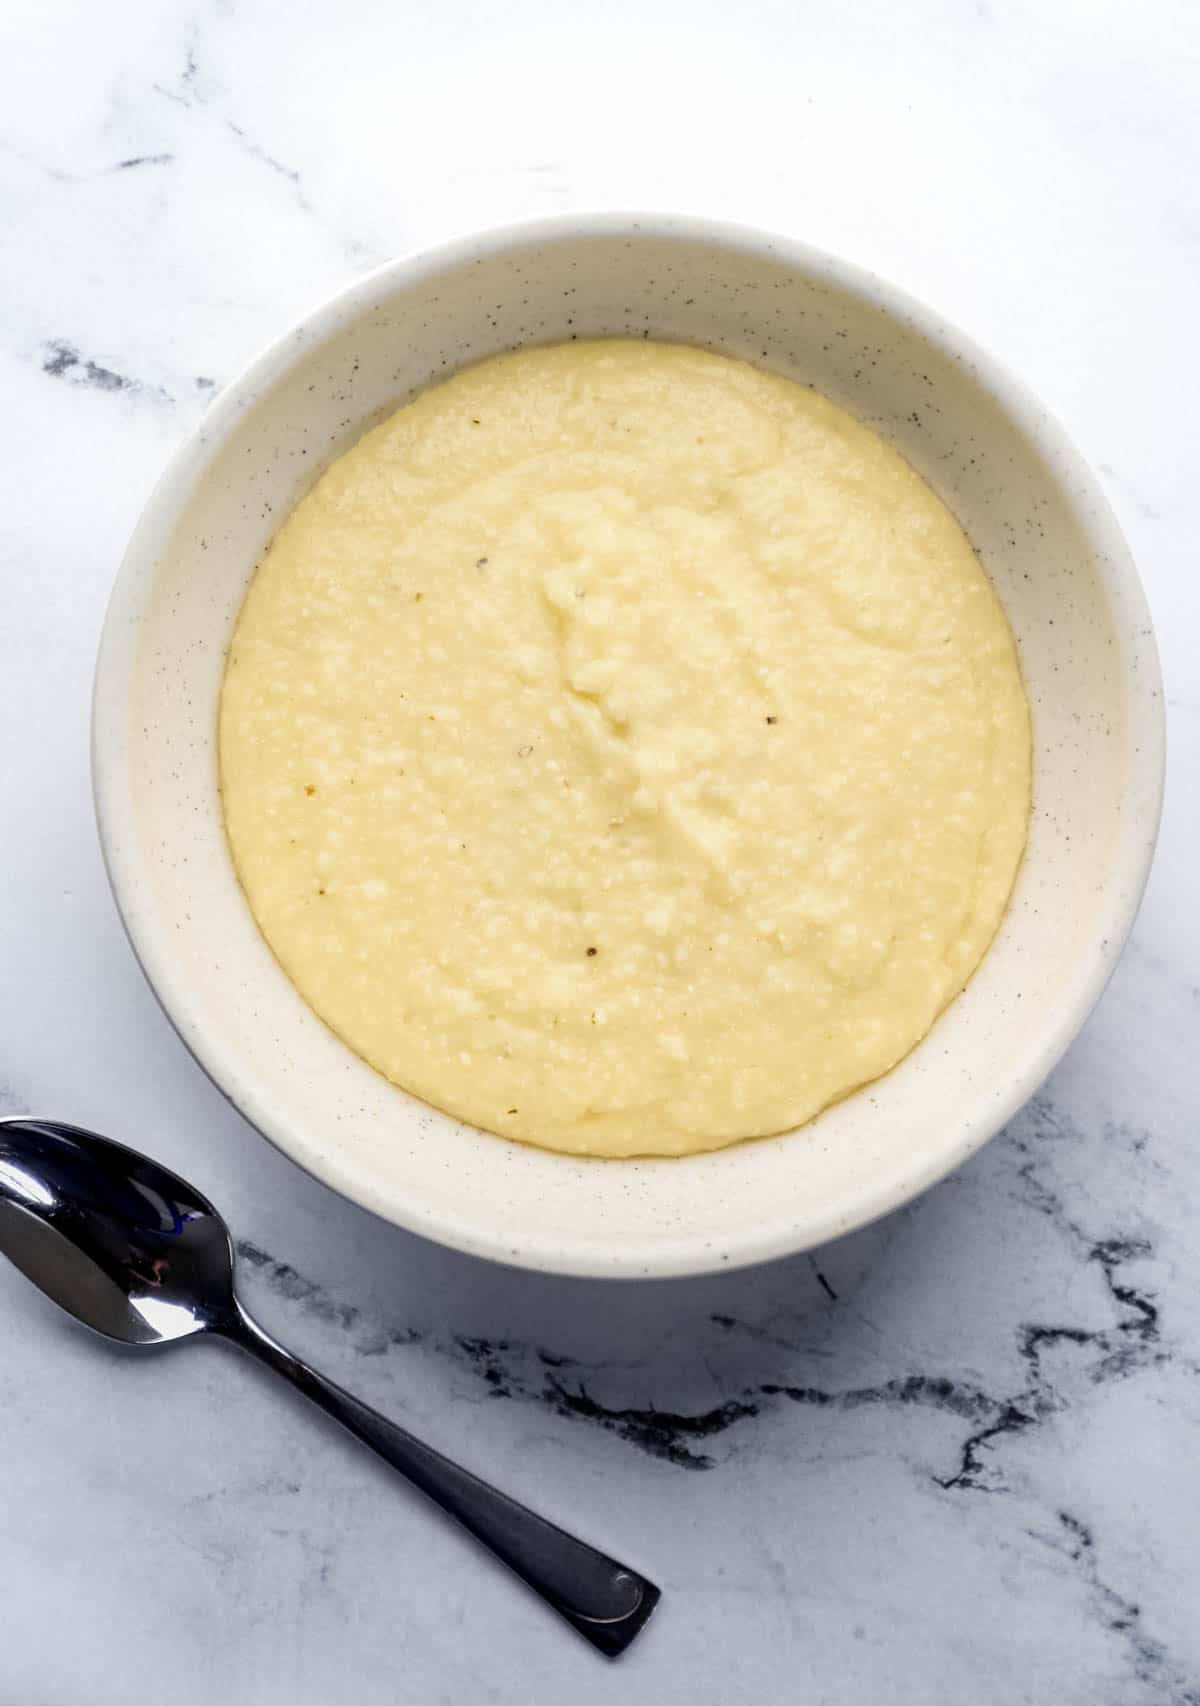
955 1458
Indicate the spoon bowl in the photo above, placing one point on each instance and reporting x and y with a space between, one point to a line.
127 1247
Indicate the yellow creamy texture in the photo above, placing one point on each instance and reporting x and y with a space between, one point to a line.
623 749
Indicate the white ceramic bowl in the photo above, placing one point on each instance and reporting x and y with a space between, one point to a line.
1045 535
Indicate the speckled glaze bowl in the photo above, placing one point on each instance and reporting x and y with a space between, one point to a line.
1045 535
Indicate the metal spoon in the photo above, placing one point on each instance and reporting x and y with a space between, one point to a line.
134 1252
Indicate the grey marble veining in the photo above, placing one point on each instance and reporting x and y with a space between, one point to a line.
954 1458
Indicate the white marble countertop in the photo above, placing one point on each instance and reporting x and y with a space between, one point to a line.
955 1459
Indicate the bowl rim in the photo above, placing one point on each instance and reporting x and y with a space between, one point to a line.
111 779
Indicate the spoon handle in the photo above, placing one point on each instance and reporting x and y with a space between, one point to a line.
606 1602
